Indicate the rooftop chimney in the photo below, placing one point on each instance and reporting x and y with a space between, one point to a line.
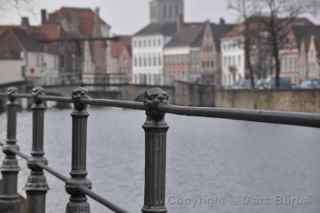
97 11
222 21
25 22
43 16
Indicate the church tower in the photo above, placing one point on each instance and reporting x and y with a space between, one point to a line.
166 11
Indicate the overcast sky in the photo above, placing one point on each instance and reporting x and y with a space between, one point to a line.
125 16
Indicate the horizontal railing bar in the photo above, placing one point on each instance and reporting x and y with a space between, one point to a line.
102 200
263 116
116 103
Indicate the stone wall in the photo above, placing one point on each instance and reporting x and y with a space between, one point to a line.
284 100
188 94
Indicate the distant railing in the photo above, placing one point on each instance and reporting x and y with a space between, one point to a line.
101 79
77 185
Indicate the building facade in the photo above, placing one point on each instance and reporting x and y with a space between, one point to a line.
233 60
148 52
23 57
119 57
88 58
182 54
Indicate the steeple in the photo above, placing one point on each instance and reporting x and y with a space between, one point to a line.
166 11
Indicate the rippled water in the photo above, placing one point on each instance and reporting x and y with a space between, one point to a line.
213 165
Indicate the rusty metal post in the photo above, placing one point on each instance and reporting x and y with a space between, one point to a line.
36 186
9 198
155 152
78 201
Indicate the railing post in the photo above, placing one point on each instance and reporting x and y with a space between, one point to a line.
9 198
36 186
78 201
155 152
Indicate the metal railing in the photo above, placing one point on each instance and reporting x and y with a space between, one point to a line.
100 79
77 185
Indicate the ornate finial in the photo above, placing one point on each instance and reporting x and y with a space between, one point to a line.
152 99
78 95
36 92
12 91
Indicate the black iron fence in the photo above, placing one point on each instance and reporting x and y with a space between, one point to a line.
77 185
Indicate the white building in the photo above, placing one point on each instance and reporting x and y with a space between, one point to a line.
23 58
148 44
233 60
148 52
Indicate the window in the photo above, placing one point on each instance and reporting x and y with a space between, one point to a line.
154 61
39 60
144 60
149 61
135 61
170 14
165 11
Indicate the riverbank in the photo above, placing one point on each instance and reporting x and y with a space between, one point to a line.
279 100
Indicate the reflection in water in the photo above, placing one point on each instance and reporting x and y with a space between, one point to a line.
213 165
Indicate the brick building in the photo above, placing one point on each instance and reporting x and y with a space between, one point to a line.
193 54
119 57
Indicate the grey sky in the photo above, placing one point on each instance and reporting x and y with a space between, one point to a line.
125 16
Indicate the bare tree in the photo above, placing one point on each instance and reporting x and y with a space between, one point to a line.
246 11
279 17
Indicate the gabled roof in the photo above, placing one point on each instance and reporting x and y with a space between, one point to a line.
257 22
49 32
84 19
14 40
27 39
189 36
166 29
219 31
304 34
117 46
4 28
192 34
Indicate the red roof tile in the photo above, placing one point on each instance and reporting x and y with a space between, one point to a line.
49 31
85 17
124 42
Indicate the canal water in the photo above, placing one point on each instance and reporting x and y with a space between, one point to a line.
213 165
